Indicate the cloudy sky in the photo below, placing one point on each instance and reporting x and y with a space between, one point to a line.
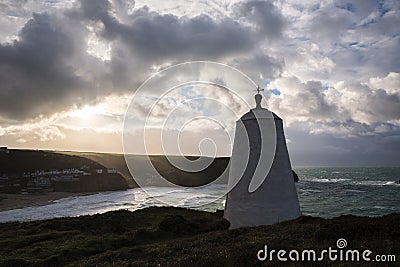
331 69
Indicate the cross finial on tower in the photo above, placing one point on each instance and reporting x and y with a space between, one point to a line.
259 89
258 97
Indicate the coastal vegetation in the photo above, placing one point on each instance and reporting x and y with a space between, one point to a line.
167 236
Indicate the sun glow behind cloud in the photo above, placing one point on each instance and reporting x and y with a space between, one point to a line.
87 112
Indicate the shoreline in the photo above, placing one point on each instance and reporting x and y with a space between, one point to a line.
18 201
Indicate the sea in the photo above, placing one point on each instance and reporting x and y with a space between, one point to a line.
323 192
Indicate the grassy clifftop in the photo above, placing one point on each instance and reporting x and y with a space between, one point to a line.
181 237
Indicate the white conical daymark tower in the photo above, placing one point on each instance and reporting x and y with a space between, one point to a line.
261 188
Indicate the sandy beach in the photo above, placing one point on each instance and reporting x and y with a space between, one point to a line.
18 201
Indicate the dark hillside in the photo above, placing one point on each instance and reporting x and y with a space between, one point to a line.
36 171
162 165
31 160
108 160
184 178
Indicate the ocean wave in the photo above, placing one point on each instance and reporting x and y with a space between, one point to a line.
354 191
383 208
328 180
377 183
392 183
310 190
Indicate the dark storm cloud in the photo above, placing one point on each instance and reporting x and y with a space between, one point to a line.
167 36
383 105
259 63
34 75
48 69
149 37
304 101
159 37
330 149
328 25
364 104
264 16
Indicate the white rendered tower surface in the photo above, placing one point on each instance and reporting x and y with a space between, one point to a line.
261 188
